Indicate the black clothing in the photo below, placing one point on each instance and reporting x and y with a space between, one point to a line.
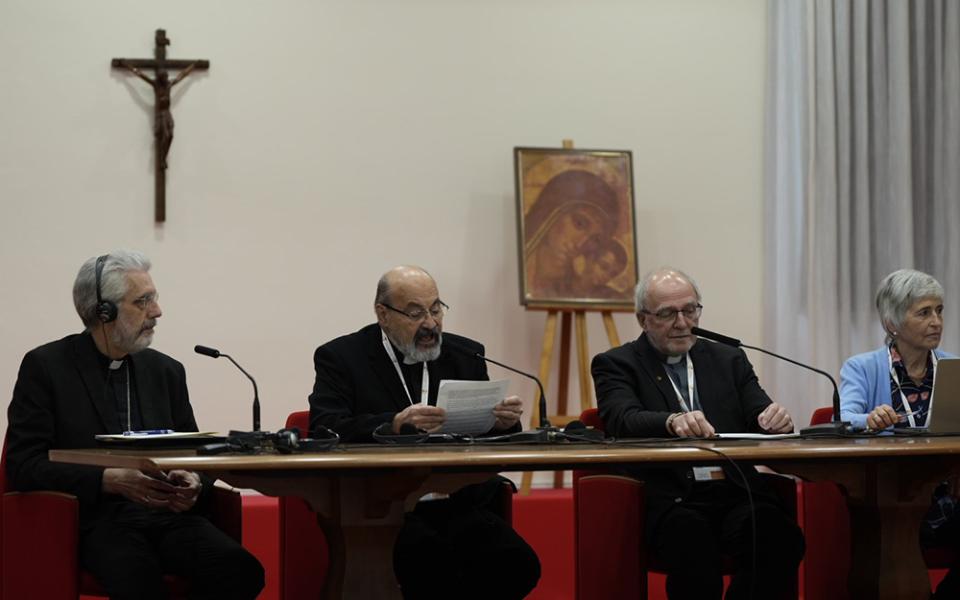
357 388
458 546
61 400
635 397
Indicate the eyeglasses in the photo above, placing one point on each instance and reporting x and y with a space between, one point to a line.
669 315
419 314
146 300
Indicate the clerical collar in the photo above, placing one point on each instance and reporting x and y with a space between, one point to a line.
670 360
105 361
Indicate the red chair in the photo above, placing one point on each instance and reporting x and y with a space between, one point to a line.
304 553
940 557
38 543
609 521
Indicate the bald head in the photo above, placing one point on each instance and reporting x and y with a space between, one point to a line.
410 312
401 277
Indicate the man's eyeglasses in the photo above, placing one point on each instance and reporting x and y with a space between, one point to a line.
419 314
669 315
146 300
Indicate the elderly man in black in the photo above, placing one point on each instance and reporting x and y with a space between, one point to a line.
667 383
135 526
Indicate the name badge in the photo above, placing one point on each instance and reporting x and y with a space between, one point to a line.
708 473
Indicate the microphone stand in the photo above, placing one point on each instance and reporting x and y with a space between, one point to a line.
545 432
255 441
834 427
256 395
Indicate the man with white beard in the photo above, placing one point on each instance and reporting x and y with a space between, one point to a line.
135 526
385 378
390 371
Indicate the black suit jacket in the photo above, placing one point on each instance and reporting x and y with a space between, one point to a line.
60 401
635 398
357 388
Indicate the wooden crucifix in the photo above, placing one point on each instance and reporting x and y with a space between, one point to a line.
163 119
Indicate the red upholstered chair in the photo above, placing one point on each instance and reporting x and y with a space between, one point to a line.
304 555
822 415
609 521
940 557
38 543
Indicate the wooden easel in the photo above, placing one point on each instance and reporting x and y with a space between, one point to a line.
561 418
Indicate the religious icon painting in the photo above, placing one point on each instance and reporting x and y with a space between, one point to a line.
575 224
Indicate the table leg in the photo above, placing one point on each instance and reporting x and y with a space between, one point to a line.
361 516
887 502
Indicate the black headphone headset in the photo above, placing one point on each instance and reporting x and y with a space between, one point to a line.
105 310
288 441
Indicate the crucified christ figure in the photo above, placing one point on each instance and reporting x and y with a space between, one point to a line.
163 119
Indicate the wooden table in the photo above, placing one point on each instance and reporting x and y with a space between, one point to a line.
360 492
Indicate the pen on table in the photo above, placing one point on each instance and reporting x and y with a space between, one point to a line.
911 413
149 432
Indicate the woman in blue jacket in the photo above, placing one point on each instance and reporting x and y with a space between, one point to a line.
892 387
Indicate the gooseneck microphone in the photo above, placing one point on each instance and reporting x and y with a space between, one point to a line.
544 421
545 431
834 427
213 353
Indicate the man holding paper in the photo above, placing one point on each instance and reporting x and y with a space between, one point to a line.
135 526
385 378
389 372
667 383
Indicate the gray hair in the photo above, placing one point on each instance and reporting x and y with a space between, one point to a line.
643 286
113 281
899 291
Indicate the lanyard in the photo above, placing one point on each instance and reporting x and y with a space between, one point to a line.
424 387
691 383
903 397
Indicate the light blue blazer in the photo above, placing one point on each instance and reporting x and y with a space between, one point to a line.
865 385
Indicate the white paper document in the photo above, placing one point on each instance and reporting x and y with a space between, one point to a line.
469 404
131 436
757 436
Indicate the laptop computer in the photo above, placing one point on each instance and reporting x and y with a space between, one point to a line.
944 416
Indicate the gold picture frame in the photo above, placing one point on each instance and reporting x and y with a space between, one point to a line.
575 225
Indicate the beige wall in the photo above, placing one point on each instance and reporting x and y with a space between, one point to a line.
331 140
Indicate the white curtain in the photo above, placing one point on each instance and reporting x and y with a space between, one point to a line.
862 176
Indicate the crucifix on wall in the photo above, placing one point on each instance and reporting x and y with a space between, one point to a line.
163 119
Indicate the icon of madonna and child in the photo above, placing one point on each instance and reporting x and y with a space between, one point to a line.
576 228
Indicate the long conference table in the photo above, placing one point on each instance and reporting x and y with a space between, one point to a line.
361 492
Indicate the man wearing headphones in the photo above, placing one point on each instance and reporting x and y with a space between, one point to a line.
135 526
383 380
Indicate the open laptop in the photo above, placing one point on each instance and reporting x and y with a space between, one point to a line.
945 404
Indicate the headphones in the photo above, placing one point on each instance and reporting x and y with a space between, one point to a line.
288 441
105 310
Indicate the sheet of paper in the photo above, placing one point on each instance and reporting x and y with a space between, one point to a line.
757 436
469 404
119 437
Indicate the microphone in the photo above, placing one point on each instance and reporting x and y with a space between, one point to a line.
542 403
836 426
214 353
544 421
